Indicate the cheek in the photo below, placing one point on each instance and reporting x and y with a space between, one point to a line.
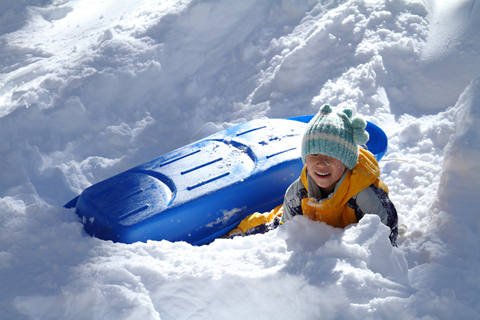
338 165
339 169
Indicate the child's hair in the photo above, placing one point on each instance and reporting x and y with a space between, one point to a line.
335 134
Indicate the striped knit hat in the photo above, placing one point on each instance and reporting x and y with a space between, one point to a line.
335 134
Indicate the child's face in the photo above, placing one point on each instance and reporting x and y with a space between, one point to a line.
324 170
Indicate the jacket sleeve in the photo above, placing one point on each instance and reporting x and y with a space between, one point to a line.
374 200
292 202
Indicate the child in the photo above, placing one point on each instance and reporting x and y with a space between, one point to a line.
339 183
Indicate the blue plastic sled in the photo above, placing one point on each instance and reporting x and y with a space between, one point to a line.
200 192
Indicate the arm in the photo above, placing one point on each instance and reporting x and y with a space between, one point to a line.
374 200
292 203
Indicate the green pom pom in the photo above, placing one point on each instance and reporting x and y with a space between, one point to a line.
326 109
359 123
360 137
348 112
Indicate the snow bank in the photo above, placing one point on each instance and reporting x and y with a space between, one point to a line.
232 278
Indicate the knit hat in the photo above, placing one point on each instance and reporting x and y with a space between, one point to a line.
335 134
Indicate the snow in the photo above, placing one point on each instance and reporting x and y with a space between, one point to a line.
89 89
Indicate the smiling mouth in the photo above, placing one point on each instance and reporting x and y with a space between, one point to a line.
322 174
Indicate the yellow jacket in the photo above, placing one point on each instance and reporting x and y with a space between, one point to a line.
334 210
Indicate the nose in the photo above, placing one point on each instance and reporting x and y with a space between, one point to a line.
323 160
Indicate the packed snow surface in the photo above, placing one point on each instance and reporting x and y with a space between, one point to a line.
89 89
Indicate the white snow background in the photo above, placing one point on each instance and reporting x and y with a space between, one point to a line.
90 88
